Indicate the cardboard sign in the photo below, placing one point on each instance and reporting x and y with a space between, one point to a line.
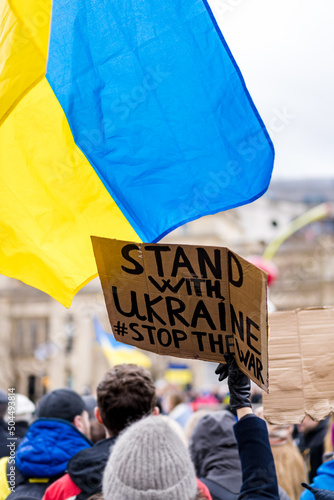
186 301
301 358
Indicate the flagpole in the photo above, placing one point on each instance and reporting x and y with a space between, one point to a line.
319 212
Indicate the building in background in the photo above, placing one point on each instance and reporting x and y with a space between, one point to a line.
45 346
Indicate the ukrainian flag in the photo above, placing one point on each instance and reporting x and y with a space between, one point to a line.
116 352
178 374
119 119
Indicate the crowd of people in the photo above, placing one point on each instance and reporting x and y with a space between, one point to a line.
123 446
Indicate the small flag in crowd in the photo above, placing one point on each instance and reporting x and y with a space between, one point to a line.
116 352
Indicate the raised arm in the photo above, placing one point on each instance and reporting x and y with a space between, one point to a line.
257 463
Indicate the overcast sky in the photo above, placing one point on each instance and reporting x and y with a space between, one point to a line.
285 50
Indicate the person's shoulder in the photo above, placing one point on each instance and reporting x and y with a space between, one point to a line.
62 489
325 476
327 468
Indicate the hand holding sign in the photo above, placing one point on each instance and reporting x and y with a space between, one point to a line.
238 383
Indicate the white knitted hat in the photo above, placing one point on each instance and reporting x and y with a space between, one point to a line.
149 462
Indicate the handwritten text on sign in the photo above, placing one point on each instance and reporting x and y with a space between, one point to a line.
186 301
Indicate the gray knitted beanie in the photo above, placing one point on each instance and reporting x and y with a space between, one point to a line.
149 462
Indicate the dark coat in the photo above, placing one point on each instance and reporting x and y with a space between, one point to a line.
87 467
259 480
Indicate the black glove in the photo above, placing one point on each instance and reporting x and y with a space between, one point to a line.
238 383
320 494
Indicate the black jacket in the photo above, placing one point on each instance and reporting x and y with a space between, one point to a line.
86 467
259 480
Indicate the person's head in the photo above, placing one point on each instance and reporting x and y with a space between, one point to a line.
307 425
3 403
97 430
173 399
125 394
150 461
278 434
90 404
65 404
214 450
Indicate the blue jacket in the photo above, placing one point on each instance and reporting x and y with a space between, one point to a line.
47 447
323 480
259 479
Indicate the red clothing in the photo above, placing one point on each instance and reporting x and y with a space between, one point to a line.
203 489
82 467
62 489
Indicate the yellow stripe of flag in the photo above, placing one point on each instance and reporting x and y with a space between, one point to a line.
51 200
24 35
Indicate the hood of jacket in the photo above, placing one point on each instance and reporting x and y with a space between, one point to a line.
327 468
325 476
48 446
214 450
87 467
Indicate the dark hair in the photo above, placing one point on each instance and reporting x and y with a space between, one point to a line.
125 395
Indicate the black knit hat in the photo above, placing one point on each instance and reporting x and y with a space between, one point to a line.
61 403
320 494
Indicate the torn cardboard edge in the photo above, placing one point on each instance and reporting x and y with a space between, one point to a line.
301 359
188 301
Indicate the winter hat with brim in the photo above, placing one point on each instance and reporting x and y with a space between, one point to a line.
149 462
320 494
